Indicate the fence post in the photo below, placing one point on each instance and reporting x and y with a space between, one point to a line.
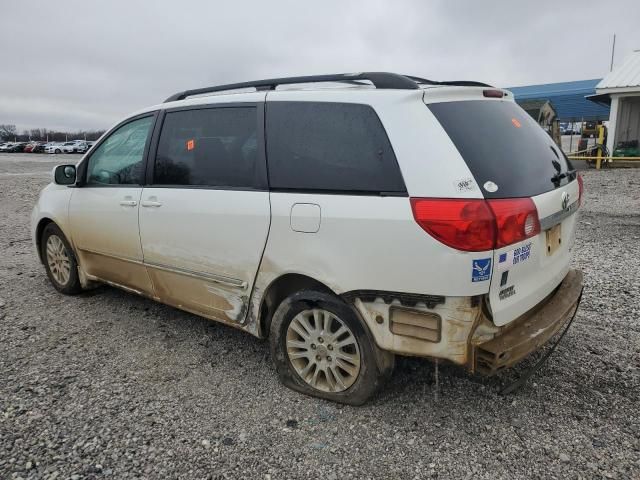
600 141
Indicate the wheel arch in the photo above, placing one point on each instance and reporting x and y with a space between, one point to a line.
279 289
42 224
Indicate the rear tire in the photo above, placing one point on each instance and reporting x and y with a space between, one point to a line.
320 347
59 261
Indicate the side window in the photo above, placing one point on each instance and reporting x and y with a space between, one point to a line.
119 159
214 147
329 146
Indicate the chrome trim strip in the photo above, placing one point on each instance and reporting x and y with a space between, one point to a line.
554 219
115 257
211 277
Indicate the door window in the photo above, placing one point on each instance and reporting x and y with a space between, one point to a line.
216 147
119 160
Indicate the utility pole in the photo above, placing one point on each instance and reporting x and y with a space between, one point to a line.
613 50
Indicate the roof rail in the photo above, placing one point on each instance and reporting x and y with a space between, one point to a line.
378 79
383 80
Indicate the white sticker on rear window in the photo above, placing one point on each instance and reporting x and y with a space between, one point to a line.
490 186
465 185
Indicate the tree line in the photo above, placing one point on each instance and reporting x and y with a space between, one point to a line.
9 133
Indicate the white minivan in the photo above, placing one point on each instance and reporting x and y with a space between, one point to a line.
348 218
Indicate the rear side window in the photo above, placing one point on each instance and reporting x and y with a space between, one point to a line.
329 147
214 147
502 144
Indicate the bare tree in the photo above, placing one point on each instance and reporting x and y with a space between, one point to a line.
7 131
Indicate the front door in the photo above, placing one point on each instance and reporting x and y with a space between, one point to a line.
205 216
103 210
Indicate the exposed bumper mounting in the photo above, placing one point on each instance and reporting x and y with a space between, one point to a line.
533 331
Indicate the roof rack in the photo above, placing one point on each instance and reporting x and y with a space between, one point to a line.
382 80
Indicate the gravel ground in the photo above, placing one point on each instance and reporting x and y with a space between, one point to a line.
109 385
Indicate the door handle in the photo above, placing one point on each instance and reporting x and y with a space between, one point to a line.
128 203
151 203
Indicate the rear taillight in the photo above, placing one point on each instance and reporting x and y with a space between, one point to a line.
460 223
476 225
516 220
580 189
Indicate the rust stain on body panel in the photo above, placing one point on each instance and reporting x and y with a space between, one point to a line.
128 274
198 295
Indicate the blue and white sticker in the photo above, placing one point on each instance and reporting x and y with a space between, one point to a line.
481 270
514 257
522 254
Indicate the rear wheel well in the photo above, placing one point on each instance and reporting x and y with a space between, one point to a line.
39 229
280 289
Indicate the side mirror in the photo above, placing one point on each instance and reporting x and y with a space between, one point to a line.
64 174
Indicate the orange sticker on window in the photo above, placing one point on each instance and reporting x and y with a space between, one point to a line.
516 123
191 144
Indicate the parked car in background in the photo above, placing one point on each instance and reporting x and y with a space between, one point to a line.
387 221
53 148
81 146
28 148
69 147
4 146
17 147
39 147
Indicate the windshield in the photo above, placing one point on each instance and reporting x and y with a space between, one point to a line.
506 150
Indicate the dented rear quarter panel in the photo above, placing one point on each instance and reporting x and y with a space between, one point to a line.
458 318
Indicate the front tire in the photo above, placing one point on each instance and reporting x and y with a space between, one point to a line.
59 261
320 348
58 150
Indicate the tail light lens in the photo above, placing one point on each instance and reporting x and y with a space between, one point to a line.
460 223
516 220
476 225
580 189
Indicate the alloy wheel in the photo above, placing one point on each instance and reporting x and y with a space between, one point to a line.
323 350
58 260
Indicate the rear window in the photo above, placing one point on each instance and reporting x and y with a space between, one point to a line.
503 145
332 147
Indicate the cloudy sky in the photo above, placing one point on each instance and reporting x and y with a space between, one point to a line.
85 64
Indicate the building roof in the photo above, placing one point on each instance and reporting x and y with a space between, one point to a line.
532 104
539 109
625 76
568 99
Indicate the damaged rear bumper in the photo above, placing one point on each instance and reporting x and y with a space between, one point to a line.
530 332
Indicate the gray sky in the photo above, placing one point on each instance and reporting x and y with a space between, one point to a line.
86 64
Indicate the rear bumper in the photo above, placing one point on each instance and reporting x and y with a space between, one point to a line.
532 331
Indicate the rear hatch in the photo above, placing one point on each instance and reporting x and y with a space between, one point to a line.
510 156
